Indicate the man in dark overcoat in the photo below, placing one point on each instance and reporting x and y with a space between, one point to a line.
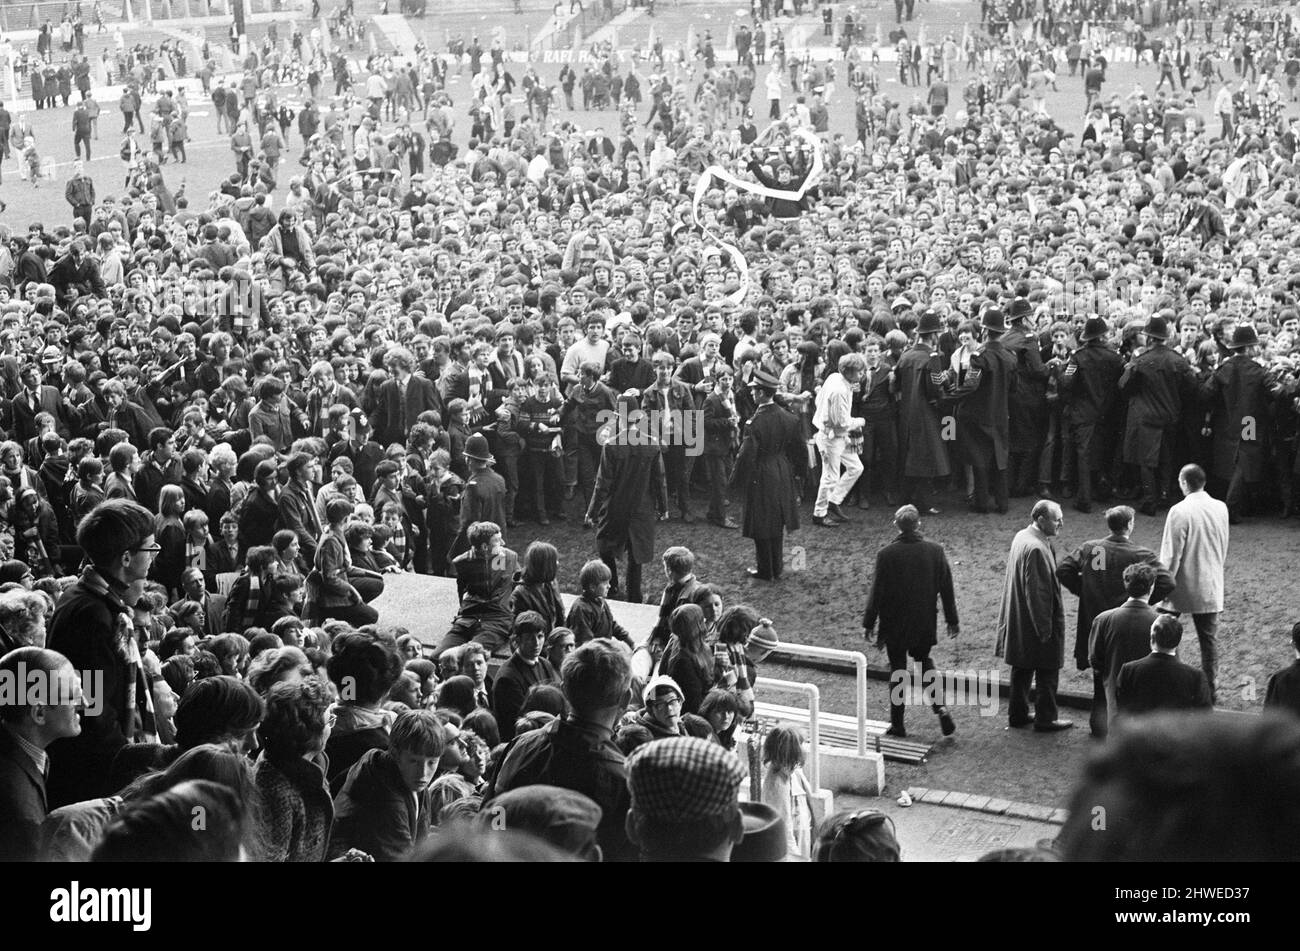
983 414
1031 621
1089 389
1029 413
1239 387
920 380
631 493
1095 573
910 574
1155 383
771 457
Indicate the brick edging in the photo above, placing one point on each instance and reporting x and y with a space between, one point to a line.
988 804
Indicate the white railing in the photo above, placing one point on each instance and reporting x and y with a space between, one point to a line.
859 661
814 721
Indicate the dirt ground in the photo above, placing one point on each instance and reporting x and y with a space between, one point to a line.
823 602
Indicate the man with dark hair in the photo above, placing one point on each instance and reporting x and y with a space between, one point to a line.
91 626
1160 681
484 581
1031 621
1117 636
30 720
1195 547
525 668
1190 789
577 752
685 801
910 574
1095 572
297 508
158 468
1284 686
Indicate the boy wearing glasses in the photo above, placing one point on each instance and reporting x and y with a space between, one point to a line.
92 628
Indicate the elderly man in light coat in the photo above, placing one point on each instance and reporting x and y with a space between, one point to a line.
1031 621
1195 547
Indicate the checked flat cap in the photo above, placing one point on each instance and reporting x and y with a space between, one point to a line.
684 778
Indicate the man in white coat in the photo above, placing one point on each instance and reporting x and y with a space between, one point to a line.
1195 547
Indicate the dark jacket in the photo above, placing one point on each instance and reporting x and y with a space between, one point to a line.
1161 682
1094 572
919 377
984 414
1119 636
296 511
540 597
772 456
1155 383
579 755
510 687
910 574
1089 384
22 803
376 812
589 620
257 520
631 490
392 419
1238 391
1284 689
85 629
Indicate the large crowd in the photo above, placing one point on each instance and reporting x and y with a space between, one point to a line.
229 416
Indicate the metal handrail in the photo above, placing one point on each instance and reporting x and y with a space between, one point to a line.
859 661
814 716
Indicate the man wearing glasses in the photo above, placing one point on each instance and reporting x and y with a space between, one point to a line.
92 628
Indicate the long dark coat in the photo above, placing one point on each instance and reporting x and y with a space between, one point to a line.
920 374
1029 411
771 457
1239 388
631 490
984 415
910 574
1031 621
1155 383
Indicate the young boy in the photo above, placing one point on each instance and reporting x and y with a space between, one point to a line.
457 434
444 522
382 809
679 568
387 494
590 616
391 523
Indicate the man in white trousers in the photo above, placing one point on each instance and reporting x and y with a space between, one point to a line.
834 421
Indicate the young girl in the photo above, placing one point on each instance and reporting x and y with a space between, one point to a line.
785 787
